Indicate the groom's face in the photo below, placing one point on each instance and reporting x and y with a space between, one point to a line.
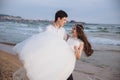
62 21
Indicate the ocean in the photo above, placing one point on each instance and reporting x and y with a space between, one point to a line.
14 32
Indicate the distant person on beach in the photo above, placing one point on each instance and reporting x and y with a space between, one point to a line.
79 41
46 55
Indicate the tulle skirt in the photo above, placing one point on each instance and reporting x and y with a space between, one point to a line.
46 57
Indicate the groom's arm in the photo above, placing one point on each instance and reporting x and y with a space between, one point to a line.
66 35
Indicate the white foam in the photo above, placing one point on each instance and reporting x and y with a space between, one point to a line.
98 40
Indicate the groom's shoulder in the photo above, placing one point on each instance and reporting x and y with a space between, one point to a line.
63 29
49 26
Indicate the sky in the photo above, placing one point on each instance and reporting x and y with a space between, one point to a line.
89 11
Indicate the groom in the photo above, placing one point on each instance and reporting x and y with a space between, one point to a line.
57 27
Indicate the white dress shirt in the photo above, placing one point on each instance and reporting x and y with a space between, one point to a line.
59 31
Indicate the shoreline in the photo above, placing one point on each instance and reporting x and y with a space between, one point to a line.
102 65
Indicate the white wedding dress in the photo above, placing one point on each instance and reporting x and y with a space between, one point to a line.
46 57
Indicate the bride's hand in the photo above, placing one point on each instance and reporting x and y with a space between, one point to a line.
77 52
75 48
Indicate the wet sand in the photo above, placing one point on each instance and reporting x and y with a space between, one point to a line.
102 65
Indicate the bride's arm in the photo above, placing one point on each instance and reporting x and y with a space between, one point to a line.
78 51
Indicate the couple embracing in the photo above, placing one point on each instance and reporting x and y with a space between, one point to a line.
51 55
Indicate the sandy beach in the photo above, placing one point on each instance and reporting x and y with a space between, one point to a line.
9 63
102 65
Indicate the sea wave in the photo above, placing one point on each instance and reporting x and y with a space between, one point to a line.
12 32
106 41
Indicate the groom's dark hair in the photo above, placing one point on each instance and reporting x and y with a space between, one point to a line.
60 14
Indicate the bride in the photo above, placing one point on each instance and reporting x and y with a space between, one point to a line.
78 43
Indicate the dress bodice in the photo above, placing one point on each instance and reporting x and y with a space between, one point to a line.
73 42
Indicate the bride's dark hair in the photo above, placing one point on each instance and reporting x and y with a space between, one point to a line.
81 35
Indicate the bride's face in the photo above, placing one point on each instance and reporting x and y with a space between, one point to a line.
74 32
